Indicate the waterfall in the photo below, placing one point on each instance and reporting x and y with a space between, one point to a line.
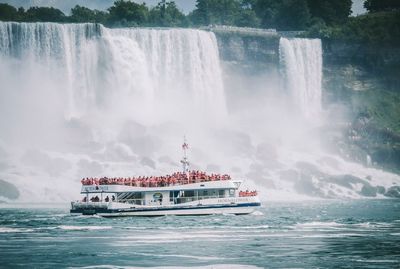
302 63
143 72
82 100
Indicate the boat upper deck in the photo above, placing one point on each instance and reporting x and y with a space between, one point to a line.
227 184
178 180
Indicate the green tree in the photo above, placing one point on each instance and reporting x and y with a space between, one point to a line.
378 29
247 18
44 14
84 14
167 14
332 12
267 12
292 15
8 13
381 5
223 12
127 13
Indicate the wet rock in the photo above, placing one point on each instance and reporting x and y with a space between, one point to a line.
309 169
305 185
393 192
8 190
368 191
380 189
346 181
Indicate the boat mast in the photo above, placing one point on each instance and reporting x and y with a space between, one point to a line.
184 161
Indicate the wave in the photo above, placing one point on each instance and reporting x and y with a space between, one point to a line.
206 258
81 228
212 266
213 227
15 230
318 224
257 213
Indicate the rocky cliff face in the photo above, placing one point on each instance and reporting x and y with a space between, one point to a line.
249 58
249 51
366 80
363 82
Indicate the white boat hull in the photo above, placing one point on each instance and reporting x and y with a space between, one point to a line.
237 206
185 212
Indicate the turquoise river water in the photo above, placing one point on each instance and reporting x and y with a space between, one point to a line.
317 234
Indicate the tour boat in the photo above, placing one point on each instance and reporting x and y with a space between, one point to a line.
182 193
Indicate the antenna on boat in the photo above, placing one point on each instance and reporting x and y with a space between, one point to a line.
184 161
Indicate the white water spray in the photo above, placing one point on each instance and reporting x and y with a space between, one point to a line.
143 72
80 100
302 61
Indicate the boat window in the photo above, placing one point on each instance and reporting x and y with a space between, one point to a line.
173 195
131 197
221 193
231 192
188 194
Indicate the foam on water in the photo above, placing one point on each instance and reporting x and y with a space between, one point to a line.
82 228
207 240
318 224
15 230
214 266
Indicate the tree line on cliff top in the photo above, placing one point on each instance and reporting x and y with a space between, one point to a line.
321 18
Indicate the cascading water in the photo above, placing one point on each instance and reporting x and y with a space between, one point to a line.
79 100
86 89
142 70
302 61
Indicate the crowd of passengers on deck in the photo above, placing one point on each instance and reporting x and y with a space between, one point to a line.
97 199
177 178
247 193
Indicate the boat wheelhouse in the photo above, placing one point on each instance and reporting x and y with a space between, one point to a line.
182 193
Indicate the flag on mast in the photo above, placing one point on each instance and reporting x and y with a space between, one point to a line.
185 146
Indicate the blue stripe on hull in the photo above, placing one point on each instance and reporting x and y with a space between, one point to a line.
128 210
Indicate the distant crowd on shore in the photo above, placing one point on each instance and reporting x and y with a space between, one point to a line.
178 178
